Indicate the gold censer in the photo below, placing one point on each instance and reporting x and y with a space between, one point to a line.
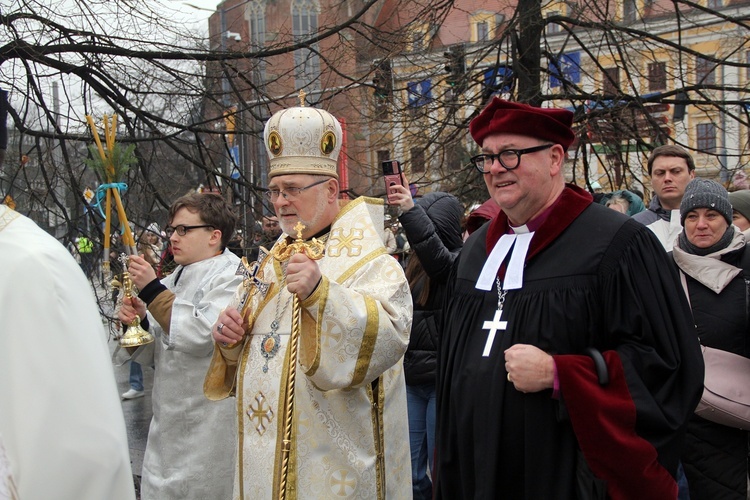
135 335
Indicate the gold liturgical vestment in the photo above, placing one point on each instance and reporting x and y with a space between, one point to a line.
350 436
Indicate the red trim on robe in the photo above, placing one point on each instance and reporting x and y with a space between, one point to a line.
603 419
571 203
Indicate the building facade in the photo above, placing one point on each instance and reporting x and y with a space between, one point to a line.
637 73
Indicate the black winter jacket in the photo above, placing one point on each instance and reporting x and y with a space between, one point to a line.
715 457
433 228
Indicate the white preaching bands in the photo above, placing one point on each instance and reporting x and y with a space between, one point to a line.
513 276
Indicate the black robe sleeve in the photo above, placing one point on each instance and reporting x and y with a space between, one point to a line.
655 368
423 238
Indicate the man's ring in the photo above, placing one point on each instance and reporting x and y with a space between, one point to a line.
509 380
219 328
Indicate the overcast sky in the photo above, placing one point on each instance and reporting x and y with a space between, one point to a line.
190 14
197 10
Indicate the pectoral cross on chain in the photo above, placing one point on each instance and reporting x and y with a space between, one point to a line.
252 280
495 325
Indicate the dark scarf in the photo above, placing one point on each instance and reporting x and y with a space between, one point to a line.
723 242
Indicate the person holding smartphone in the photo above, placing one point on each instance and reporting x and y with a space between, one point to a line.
433 228
392 176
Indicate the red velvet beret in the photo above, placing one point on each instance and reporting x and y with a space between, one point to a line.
549 124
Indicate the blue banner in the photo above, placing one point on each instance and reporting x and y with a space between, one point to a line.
420 93
565 69
499 79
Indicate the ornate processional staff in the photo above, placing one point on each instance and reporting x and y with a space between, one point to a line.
283 251
111 165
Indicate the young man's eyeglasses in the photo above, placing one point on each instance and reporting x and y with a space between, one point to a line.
290 193
182 229
508 158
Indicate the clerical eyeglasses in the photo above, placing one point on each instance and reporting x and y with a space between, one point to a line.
508 158
290 193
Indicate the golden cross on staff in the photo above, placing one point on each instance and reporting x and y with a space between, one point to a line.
314 250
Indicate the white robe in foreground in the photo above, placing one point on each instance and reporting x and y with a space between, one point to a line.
61 422
350 434
191 440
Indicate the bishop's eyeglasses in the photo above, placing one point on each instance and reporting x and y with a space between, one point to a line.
182 229
508 158
290 193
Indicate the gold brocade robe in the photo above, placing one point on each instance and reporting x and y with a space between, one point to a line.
350 436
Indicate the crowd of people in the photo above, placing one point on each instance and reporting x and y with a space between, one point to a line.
546 346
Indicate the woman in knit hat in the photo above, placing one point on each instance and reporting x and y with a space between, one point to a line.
150 246
626 202
740 201
713 263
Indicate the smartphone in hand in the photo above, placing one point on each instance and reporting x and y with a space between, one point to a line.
391 175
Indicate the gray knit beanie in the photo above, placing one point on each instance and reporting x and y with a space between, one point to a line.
705 193
740 201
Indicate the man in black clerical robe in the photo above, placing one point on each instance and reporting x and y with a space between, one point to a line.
579 384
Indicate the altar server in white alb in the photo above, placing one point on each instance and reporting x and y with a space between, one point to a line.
62 432
348 432
186 454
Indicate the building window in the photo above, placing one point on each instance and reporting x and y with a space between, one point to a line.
304 24
417 41
615 162
705 134
552 27
714 4
629 11
705 72
611 81
417 160
383 156
419 37
257 20
380 106
657 76
483 23
483 31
